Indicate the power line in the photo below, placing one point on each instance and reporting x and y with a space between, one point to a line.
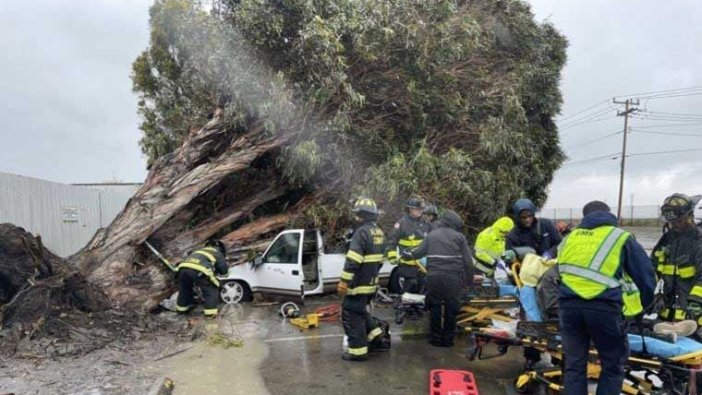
664 91
585 110
596 140
584 118
669 125
611 156
666 152
666 133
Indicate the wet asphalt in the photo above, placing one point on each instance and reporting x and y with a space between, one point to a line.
309 362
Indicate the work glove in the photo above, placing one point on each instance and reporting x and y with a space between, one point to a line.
342 288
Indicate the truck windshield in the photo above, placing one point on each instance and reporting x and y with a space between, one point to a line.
285 249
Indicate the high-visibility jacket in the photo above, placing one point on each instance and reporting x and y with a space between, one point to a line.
407 234
588 262
489 247
209 261
364 259
678 261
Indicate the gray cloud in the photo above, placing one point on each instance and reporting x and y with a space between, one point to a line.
66 106
67 112
619 48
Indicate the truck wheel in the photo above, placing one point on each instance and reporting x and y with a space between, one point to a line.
395 283
235 292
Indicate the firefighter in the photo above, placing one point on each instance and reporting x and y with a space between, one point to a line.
359 282
490 246
596 264
408 234
430 215
449 267
199 269
677 258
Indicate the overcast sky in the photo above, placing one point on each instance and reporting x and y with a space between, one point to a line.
67 112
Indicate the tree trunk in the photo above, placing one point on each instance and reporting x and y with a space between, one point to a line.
212 186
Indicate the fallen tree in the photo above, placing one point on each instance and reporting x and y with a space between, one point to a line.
306 104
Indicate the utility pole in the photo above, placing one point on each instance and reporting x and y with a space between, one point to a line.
627 110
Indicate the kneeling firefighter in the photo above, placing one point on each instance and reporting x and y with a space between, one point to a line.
449 267
359 282
199 270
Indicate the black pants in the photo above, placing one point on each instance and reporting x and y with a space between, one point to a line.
411 280
608 331
187 280
444 303
360 327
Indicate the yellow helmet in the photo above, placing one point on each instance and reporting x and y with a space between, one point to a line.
366 205
504 224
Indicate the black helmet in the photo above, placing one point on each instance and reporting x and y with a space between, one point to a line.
365 205
217 244
431 210
678 205
414 202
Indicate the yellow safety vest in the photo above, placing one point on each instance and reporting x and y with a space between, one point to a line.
588 261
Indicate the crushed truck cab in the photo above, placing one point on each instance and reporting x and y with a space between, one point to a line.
294 264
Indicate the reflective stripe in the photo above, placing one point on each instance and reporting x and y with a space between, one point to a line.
392 254
679 314
409 262
358 350
181 308
444 256
347 276
210 311
207 255
362 290
373 258
699 321
202 269
672 270
589 274
605 249
410 243
485 269
696 291
374 333
354 256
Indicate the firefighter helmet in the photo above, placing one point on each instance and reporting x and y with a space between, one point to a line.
366 205
217 244
676 206
414 202
430 209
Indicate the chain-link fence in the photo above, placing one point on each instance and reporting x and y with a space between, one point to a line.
631 215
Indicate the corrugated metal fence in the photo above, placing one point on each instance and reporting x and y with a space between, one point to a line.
66 216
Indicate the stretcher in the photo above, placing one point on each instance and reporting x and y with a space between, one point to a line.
481 304
648 371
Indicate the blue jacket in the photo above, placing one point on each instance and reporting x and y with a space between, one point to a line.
634 261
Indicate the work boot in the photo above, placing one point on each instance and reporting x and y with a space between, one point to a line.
682 328
379 345
356 358
436 343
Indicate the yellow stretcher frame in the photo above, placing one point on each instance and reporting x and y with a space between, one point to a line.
548 377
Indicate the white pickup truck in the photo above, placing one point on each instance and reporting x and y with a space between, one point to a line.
294 264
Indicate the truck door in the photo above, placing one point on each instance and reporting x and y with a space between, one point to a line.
281 269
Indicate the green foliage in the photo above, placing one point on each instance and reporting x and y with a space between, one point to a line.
453 99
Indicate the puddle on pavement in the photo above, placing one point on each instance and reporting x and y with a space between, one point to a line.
214 369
